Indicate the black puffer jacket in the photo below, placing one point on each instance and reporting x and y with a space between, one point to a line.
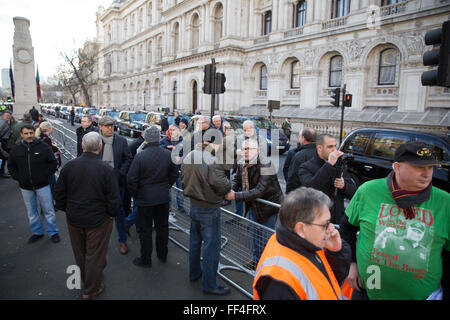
151 175
262 185
32 164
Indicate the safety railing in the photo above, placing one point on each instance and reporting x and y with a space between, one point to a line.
239 235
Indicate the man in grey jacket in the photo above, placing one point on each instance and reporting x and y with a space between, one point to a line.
204 181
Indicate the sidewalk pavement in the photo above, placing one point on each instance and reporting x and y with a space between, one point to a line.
38 271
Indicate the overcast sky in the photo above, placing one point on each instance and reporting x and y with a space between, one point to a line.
55 25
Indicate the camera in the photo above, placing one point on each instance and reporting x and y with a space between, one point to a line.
344 159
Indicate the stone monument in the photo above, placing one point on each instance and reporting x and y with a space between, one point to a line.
24 71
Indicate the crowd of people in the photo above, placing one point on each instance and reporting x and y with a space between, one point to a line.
319 250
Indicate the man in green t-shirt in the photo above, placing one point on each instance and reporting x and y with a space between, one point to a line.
404 231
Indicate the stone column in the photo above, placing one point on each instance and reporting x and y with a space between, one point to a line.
24 72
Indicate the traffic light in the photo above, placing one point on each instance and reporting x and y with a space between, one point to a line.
335 96
437 57
220 83
347 100
208 77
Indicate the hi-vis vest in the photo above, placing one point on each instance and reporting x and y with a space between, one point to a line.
286 265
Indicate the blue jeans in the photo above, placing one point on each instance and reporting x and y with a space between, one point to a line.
44 195
180 199
120 219
132 217
205 226
239 206
261 236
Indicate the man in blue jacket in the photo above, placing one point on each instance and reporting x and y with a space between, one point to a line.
152 174
116 153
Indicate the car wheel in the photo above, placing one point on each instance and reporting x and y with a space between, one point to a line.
355 179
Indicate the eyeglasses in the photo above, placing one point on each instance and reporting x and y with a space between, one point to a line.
324 226
247 149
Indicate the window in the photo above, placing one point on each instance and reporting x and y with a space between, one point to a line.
385 145
267 22
388 66
195 32
263 78
389 2
340 8
295 75
358 143
300 14
335 71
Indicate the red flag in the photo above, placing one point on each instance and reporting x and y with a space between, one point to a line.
38 85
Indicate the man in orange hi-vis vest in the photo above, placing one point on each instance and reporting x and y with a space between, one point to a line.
306 258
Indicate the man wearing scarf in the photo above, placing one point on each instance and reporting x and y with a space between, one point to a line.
404 231
257 179
116 153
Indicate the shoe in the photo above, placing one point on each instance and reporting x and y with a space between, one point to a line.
162 259
96 293
123 248
138 262
220 291
35 237
55 238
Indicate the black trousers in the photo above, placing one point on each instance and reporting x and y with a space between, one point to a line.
146 216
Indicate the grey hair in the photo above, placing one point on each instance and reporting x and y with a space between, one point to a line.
302 205
91 142
247 123
216 117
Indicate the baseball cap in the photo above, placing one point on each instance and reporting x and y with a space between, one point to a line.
106 121
415 152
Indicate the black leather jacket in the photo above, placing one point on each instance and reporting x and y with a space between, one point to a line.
264 186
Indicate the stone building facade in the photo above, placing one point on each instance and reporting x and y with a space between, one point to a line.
152 55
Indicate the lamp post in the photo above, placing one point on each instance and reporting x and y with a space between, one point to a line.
144 99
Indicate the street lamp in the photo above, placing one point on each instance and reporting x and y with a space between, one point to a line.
144 99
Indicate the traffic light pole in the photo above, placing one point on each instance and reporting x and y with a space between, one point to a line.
342 114
213 88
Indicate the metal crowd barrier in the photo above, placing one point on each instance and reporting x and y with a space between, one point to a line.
238 234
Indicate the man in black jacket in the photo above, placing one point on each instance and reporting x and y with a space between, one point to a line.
86 127
89 194
324 173
31 162
151 175
116 153
257 179
306 151
305 245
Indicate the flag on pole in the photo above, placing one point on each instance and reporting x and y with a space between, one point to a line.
38 85
11 79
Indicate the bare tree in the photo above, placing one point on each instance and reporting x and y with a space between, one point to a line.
80 70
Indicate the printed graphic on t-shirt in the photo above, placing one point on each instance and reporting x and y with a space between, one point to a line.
403 244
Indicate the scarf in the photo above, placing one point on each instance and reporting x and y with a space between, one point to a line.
407 199
108 154
245 181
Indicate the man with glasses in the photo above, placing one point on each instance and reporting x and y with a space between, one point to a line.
305 259
257 180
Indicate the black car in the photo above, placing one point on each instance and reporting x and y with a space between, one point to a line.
131 122
373 152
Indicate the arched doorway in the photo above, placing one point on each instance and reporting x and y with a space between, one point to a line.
194 97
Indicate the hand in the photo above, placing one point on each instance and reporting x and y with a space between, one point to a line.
334 156
333 242
353 278
339 183
230 195
170 147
